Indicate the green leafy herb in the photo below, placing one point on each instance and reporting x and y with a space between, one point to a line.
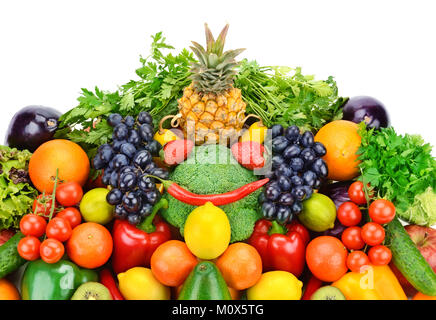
399 167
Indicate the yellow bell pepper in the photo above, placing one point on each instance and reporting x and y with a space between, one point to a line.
164 136
256 132
375 283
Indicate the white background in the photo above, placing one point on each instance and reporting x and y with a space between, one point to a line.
386 49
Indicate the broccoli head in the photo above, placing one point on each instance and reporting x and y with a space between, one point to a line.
211 169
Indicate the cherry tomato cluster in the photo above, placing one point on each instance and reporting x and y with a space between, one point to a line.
57 229
357 238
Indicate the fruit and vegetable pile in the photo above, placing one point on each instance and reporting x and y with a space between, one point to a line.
210 178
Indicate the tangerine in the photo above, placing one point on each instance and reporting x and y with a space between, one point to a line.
8 290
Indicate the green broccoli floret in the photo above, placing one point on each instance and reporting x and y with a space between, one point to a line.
211 169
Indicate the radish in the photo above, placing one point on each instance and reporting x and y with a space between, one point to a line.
177 151
249 154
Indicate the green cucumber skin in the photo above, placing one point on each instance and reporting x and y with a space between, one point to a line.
10 260
409 260
205 282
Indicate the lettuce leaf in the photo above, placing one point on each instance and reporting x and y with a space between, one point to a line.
423 210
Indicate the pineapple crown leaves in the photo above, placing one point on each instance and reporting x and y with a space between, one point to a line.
214 70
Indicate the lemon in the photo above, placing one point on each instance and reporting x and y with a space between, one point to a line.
94 207
207 231
276 285
319 213
139 284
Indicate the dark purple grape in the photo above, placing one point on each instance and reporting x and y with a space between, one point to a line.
286 199
279 144
133 218
127 181
320 168
276 161
98 163
261 198
283 213
308 155
106 153
297 207
131 202
317 184
306 139
114 119
113 181
309 178
296 181
127 169
268 210
276 130
146 183
284 183
119 161
160 173
153 147
121 132
142 158
129 121
144 117
319 149
292 133
114 197
291 151
297 164
309 192
152 196
145 210
106 178
134 137
117 144
150 167
272 193
145 132
298 193
283 170
120 212
128 149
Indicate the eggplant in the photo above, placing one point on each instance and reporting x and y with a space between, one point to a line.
367 109
32 126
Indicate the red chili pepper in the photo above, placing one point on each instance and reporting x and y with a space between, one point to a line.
280 247
312 285
194 199
108 281
133 246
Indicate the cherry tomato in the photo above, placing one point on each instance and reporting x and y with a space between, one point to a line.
69 194
380 255
356 193
349 214
33 225
28 248
352 239
373 233
72 215
51 250
58 229
356 260
381 211
42 204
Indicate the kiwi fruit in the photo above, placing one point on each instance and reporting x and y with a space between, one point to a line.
328 293
92 291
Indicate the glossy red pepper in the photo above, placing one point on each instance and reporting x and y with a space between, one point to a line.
312 285
280 247
134 245
108 281
221 199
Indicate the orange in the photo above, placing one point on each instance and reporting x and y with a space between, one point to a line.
341 139
8 291
90 245
326 258
172 262
421 296
240 266
67 156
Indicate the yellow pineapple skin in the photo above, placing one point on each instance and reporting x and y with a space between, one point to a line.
210 117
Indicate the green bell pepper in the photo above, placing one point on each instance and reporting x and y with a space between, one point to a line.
57 281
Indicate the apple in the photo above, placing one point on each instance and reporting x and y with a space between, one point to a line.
425 240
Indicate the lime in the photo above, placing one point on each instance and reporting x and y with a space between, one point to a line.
94 207
319 213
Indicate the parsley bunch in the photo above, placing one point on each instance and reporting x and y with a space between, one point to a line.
401 168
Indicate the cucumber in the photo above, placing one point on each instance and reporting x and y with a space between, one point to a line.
409 260
205 282
10 260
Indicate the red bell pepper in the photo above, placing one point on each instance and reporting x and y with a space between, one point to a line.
108 281
280 247
134 245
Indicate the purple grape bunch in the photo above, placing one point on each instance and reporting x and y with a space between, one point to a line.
127 161
297 170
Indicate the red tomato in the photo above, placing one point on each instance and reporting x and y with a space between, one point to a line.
33 225
349 214
356 193
352 239
72 215
28 248
380 255
381 211
51 250
42 205
373 233
356 260
58 229
69 194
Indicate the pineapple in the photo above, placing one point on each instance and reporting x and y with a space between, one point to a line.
211 109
